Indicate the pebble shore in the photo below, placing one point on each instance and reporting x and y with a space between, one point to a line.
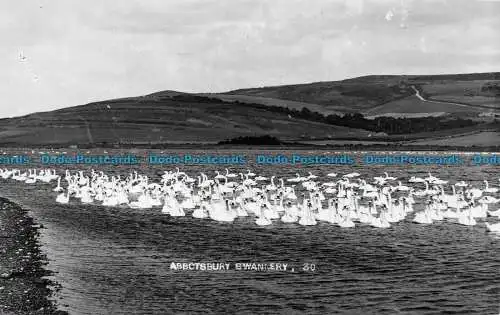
24 288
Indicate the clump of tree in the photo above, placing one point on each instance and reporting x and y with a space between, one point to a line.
253 140
391 125
388 125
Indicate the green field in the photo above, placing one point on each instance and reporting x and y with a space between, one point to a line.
413 105
474 92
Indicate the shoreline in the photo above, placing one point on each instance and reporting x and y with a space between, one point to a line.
24 288
286 146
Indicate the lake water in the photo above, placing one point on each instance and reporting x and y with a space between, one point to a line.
117 260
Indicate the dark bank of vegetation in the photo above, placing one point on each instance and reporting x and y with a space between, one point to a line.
390 144
388 125
257 140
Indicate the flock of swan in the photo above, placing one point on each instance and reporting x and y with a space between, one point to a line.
345 200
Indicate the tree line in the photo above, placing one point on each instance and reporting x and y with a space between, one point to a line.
388 125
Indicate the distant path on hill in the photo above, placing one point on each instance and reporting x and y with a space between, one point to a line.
420 97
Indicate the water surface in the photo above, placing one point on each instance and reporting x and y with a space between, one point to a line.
117 260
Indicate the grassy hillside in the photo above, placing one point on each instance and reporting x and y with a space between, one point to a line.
246 99
365 93
345 96
413 105
164 119
475 92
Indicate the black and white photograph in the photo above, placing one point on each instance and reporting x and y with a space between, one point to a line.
250 157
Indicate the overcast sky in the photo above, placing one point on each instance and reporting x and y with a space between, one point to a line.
59 53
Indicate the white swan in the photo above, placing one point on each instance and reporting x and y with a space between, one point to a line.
307 217
489 189
466 218
401 187
381 221
494 213
262 219
63 197
230 175
202 211
423 217
290 215
495 228
219 211
58 188
175 208
346 222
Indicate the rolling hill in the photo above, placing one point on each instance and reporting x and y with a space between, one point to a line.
480 91
160 119
171 117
